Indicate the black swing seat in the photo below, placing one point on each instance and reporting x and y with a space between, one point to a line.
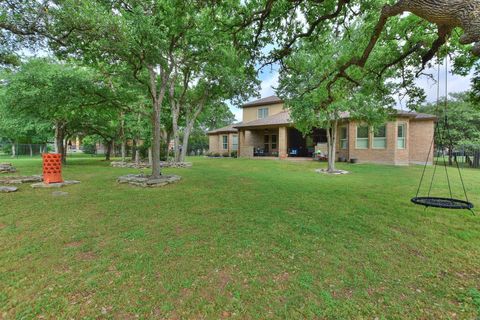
447 203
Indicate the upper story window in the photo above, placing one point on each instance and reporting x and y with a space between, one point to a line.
343 137
402 136
262 113
362 137
380 137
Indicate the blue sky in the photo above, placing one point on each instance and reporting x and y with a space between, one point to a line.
269 78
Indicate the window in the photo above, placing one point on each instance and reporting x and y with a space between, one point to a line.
380 137
235 142
401 136
362 137
343 138
225 142
265 142
262 113
274 141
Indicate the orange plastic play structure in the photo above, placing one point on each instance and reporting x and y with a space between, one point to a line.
52 167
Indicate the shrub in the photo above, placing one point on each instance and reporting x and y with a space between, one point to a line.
233 154
225 154
7 148
89 145
216 154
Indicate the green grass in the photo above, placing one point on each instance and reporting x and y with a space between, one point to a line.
246 239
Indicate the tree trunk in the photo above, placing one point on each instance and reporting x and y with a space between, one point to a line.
14 149
30 149
109 150
175 109
450 155
167 146
331 143
59 136
186 135
134 149
137 152
123 146
157 99
190 122
65 147
123 150
176 143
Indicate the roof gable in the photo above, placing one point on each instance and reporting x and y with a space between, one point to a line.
263 102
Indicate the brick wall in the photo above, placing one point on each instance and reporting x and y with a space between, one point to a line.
215 142
370 154
420 136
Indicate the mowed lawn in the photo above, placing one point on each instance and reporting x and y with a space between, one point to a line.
237 238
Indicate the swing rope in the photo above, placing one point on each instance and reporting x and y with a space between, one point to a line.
442 134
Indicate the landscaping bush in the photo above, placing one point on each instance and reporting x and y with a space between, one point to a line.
216 154
233 154
225 154
6 149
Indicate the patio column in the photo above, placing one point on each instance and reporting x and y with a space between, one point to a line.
282 142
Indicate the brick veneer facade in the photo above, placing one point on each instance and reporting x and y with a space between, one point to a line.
419 129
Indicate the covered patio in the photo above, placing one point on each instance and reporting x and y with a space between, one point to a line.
280 142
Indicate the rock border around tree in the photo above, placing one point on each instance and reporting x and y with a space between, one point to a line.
7 168
54 185
335 172
20 179
7 189
145 181
146 165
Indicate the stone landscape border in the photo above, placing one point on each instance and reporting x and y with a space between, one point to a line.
145 165
7 168
145 181
335 172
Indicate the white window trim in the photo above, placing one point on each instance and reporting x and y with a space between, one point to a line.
345 139
234 145
224 143
404 125
258 112
363 139
383 138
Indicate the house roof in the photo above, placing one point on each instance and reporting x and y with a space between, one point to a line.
401 113
263 102
283 118
227 129
276 119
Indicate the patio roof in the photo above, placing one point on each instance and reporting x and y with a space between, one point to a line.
228 129
276 119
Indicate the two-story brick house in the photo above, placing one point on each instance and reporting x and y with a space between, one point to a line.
267 130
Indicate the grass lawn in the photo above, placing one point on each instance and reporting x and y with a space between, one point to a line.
237 238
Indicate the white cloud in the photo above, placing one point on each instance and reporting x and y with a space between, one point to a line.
455 83
268 85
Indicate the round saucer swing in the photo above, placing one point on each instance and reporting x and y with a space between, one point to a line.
441 134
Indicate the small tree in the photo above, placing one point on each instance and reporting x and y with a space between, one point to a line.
65 96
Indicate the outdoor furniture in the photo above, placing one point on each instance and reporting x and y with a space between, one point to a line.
320 156
258 152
